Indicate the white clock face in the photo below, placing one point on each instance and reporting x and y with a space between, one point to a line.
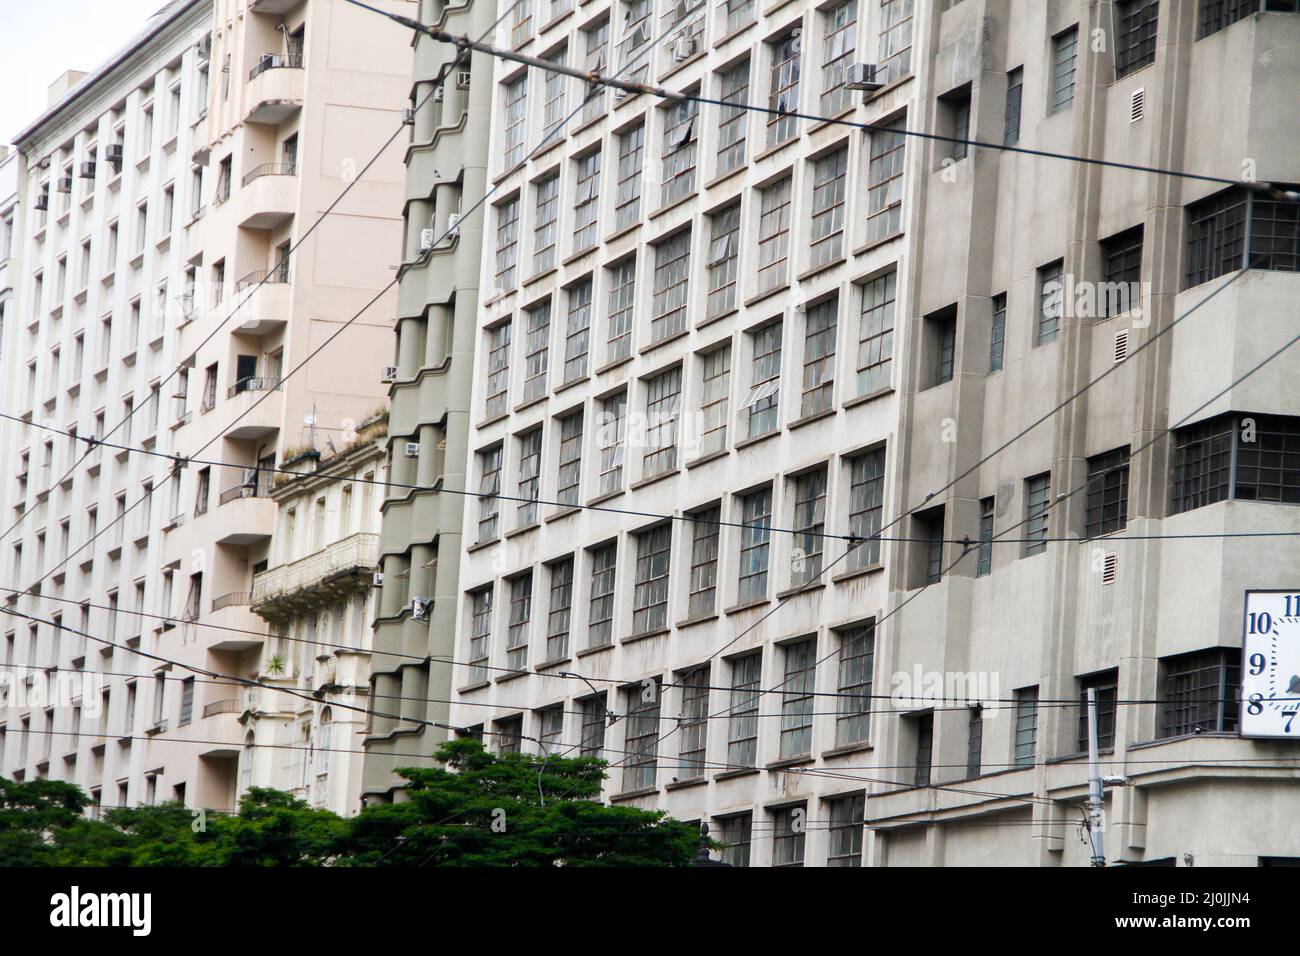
1270 665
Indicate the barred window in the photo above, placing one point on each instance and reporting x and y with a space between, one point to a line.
641 704
774 235
507 244
819 357
480 633
974 740
663 397
866 506
577 333
530 461
704 563
516 113
521 612
1049 303
1065 48
742 722
622 300
1121 258
596 41
856 665
1217 241
984 562
1026 734
733 121
650 593
790 825
1011 116
1106 510
828 207
715 400
896 37
1106 685
946 327
885 182
679 149
570 474
755 537
554 89
783 88
537 355
586 209
797 698
1274 234
765 381
627 197
594 715
998 334
1200 692
1242 457
613 422
489 506
839 27
693 724
957 107
876 340
600 617
846 828
1037 502
1217 14
724 257
546 196
559 611
809 526
498 377
1135 44
671 286
736 831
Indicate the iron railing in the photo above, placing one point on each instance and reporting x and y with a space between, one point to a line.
275 61
270 169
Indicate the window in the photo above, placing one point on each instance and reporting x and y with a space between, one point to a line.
559 610
876 342
622 299
1026 731
1217 14
187 701
1135 45
733 121
553 94
846 827
597 44
765 382
797 698
537 350
671 284
1240 457
577 333
773 236
1037 503
546 195
735 836
1121 259
679 149
739 13
896 37
828 207
1049 303
929 535
516 113
714 400
1200 692
998 334
956 110
693 724
856 662
650 594
586 209
521 611
885 182
510 735
551 721
530 462
756 514
594 713
636 35
1011 116
742 720
783 88
627 197
642 709
724 256
507 245
809 526
1217 235
1105 685
600 617
570 473
924 749
498 377
705 530
663 396
839 29
866 506
942 329
613 422
1107 503
1065 47
984 561
489 505
790 826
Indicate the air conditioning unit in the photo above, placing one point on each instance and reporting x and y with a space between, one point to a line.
408 116
453 224
388 374
377 579
412 449
426 239
419 608
864 76
683 47
43 200
114 154
437 94
88 170
65 184
462 79
204 48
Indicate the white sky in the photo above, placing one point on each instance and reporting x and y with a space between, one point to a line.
41 39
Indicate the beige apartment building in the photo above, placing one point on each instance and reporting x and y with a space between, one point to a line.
214 142
774 330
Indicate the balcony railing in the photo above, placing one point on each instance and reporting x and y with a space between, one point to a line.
276 61
279 274
253 384
357 552
234 599
251 489
270 169
234 705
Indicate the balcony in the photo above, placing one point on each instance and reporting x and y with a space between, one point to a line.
245 521
319 579
263 412
264 309
269 195
275 86
277 8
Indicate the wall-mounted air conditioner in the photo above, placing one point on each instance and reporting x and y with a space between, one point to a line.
408 116
114 154
412 449
864 76
453 224
419 608
426 239
88 169
377 579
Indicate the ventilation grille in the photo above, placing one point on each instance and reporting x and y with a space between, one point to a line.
1137 99
1121 345
1109 567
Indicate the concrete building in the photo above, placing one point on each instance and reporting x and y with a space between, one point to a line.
10 226
218 139
692 312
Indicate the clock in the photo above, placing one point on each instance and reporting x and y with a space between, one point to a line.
1270 665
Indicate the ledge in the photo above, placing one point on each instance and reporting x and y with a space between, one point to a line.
733 774
847 749
815 584
645 482
745 443
747 606
814 417
863 399
701 619
705 459
798 761
644 635
684 784
587 651
857 572
633 794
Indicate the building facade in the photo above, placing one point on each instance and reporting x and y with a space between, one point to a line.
782 332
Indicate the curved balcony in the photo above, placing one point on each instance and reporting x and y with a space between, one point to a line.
274 89
263 412
268 195
319 579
